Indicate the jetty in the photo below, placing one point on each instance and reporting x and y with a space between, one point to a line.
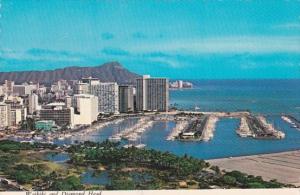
261 129
194 128
244 129
201 129
208 131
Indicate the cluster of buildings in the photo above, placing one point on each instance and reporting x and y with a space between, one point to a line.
181 84
67 104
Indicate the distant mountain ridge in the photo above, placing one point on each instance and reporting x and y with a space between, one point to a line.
108 72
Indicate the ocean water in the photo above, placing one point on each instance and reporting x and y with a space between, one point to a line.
225 143
268 97
259 96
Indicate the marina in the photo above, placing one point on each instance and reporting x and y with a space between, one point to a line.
133 133
155 136
189 126
245 98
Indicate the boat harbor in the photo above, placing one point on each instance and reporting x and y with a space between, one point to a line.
133 133
188 126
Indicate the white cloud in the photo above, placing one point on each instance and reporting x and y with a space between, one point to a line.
40 54
239 44
288 26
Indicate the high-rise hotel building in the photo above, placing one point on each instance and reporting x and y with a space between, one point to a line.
107 93
126 98
85 109
152 94
108 97
4 115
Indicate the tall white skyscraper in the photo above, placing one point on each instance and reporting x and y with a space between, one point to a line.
152 94
1 90
33 103
68 101
85 109
4 115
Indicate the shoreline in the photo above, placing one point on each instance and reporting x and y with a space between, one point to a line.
282 166
252 155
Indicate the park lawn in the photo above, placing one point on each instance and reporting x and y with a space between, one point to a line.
75 170
34 158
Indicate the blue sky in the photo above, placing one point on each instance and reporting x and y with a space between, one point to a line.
201 39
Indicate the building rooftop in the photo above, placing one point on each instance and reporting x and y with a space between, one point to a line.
56 104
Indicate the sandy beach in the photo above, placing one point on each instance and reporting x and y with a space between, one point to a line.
283 166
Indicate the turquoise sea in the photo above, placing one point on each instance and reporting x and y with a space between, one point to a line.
268 97
259 96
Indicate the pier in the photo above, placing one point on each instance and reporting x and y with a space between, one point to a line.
244 129
261 129
194 129
180 126
200 126
208 131
134 132
200 129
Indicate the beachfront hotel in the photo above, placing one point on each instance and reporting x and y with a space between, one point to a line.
33 103
107 93
152 94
